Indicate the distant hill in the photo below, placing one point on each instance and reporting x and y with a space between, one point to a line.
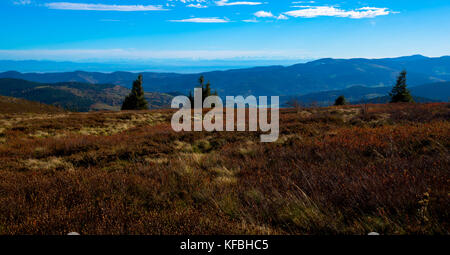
15 105
76 96
437 91
351 94
387 99
433 92
319 75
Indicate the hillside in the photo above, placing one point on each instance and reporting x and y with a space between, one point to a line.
387 99
438 91
10 105
337 170
76 96
314 76
433 92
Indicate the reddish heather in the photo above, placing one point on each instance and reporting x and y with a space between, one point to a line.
336 170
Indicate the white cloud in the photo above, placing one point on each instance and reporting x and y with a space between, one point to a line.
202 20
304 2
365 12
110 20
102 7
22 2
227 3
282 17
250 20
188 1
196 6
263 14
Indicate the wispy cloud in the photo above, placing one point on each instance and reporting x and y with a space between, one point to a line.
102 7
22 2
250 20
282 17
202 20
110 20
329 11
304 2
196 6
227 3
263 14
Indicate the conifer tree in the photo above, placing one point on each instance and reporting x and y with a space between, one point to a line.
399 92
135 100
340 101
206 90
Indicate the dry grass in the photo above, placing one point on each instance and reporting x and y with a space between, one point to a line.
336 170
15 105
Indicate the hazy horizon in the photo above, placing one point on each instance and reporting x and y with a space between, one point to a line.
175 66
179 66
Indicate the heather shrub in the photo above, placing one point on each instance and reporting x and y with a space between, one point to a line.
337 170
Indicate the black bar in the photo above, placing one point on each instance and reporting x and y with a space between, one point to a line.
258 245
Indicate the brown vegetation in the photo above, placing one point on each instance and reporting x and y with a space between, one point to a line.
336 170
16 105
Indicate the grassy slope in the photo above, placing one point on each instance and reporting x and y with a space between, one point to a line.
333 170
16 105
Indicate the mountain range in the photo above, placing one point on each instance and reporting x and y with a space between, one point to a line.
299 79
320 81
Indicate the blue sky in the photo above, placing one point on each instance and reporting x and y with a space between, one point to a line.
107 30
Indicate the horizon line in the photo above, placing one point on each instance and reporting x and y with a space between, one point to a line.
154 69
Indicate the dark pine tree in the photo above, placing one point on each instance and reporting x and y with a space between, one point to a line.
399 92
206 90
136 100
340 101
